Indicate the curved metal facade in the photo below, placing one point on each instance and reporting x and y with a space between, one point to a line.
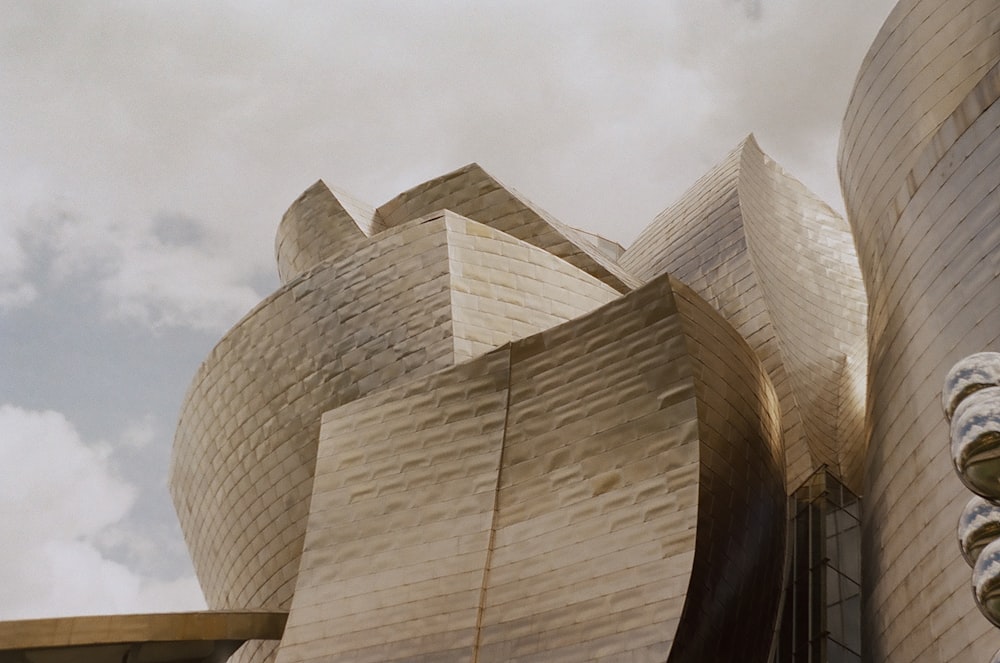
405 304
580 489
918 164
575 495
463 430
779 265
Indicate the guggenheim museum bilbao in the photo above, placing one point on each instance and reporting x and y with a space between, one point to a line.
462 430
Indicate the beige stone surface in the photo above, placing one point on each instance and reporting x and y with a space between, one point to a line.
779 265
919 160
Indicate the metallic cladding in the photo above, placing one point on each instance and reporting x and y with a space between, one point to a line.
551 500
779 265
405 303
474 193
918 164
737 577
317 226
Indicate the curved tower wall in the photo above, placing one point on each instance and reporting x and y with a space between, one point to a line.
919 160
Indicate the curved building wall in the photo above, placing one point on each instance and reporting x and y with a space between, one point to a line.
244 449
597 494
757 245
504 289
735 586
932 261
318 225
407 302
926 58
551 501
803 255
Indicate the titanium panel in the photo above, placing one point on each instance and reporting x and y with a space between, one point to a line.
504 289
929 242
736 582
400 522
573 496
404 303
317 226
598 492
474 193
779 265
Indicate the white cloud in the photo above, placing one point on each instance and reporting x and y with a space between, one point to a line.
15 290
57 495
139 271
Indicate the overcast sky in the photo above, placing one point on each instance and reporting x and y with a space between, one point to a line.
149 149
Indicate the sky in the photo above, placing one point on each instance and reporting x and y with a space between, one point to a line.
149 149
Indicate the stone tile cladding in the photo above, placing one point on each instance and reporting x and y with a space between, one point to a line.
779 265
405 303
919 162
540 503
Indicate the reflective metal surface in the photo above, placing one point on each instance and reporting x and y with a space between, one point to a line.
918 167
975 442
570 493
410 300
780 266
970 374
986 582
580 489
978 526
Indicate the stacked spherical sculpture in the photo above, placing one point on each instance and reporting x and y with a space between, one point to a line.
971 400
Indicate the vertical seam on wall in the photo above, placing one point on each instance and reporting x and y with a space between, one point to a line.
493 520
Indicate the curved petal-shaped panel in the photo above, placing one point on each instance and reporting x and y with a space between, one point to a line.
317 226
474 193
779 265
